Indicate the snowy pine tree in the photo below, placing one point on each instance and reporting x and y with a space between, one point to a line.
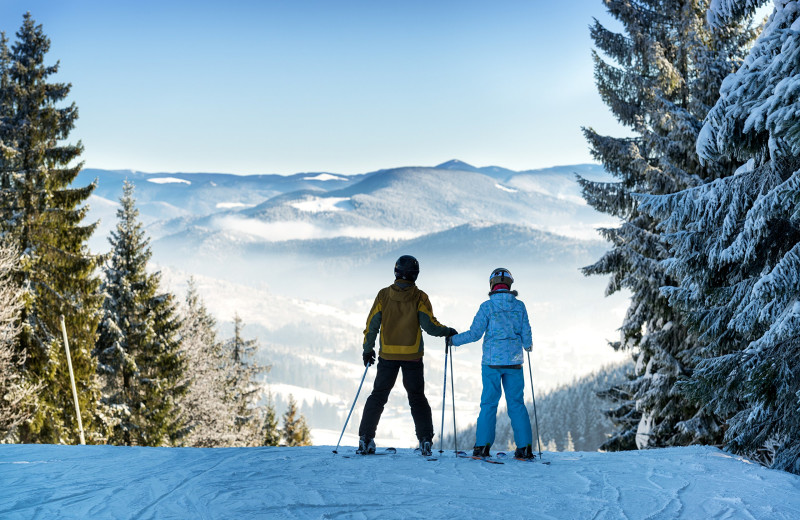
163 383
206 408
223 384
736 244
663 78
270 433
43 217
243 386
570 444
295 430
8 145
17 396
137 345
721 10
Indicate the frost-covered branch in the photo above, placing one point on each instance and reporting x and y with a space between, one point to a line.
720 11
16 394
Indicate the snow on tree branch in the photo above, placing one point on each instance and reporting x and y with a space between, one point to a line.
16 394
720 11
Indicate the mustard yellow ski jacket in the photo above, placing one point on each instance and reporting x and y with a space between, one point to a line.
400 312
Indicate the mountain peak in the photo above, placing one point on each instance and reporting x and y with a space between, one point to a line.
455 164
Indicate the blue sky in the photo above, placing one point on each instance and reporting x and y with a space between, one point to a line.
342 86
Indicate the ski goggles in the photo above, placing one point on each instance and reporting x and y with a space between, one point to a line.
501 273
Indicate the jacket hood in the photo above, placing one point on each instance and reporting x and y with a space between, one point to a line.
403 291
503 299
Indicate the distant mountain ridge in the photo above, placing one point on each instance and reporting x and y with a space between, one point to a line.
492 171
410 200
259 187
202 193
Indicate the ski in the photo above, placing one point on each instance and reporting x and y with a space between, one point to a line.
429 458
502 455
463 455
484 459
387 451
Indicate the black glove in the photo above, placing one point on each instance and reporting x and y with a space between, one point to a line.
448 340
452 332
369 358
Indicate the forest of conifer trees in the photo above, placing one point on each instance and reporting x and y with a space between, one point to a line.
707 196
149 370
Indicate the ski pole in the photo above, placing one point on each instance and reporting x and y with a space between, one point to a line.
444 396
351 409
535 416
453 393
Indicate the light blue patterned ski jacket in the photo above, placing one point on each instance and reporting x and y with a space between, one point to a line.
502 320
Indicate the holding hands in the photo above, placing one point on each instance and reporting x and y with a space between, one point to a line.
448 340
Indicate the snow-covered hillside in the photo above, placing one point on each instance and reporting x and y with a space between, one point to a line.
79 482
404 203
411 201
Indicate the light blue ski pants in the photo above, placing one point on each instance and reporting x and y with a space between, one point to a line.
513 382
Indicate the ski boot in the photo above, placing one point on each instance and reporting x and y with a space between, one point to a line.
481 451
525 453
425 447
366 446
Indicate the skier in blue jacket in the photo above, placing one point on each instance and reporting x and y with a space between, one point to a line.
502 320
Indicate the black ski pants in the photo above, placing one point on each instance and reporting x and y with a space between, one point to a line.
414 383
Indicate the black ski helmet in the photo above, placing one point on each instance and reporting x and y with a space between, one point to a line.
500 275
406 268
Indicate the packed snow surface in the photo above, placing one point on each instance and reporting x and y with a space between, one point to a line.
66 482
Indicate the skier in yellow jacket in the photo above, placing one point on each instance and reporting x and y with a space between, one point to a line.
400 312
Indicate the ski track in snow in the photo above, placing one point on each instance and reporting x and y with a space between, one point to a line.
71 482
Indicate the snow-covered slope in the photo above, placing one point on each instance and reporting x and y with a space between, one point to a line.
79 482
